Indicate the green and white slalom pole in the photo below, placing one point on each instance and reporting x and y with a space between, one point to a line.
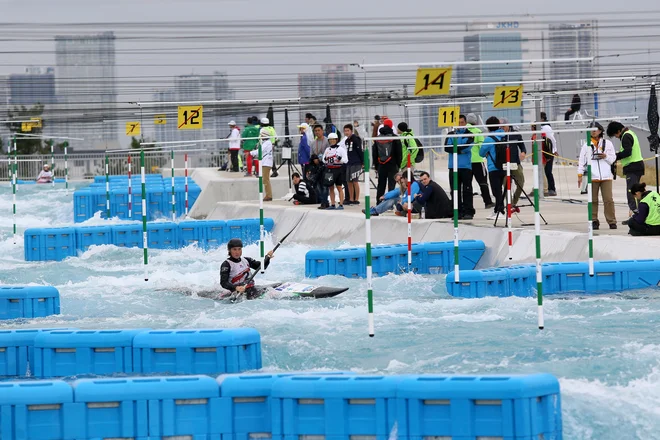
262 253
107 186
52 163
66 167
537 228
173 194
590 223
455 196
13 186
16 160
145 242
367 228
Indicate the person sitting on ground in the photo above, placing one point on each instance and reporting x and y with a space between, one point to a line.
314 175
389 199
646 221
401 209
355 165
235 270
45 175
304 195
433 199
334 159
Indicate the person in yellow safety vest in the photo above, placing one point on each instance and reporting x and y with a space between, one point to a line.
271 130
646 221
479 170
630 155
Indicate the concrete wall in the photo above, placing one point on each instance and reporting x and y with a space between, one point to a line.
324 228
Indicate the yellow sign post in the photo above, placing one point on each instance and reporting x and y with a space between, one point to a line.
160 119
433 81
133 129
190 117
508 96
448 116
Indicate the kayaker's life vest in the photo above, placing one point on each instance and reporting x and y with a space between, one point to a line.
238 272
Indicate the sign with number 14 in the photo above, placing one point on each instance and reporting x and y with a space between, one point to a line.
432 81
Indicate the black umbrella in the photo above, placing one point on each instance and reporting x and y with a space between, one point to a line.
287 140
269 115
328 120
654 121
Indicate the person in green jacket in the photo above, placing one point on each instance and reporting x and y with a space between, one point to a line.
408 145
251 131
479 163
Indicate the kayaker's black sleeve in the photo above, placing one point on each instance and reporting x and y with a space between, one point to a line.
224 277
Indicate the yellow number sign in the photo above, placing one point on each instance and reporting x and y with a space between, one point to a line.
133 129
508 97
26 126
191 117
448 116
433 81
160 119
36 123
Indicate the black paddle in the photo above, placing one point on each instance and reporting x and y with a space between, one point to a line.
233 297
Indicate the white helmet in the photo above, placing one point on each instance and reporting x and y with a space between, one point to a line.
333 136
265 121
264 133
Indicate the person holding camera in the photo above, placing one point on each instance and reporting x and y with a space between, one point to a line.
601 155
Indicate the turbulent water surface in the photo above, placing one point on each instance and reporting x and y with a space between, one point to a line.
604 349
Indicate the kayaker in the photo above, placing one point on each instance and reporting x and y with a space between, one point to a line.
46 175
235 270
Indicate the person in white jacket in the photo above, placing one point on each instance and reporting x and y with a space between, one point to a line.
601 155
266 162
549 153
234 145
335 157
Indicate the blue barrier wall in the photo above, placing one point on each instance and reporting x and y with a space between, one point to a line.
88 201
56 244
70 352
281 407
28 302
427 258
558 278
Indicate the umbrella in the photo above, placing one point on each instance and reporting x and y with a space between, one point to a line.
329 128
269 115
287 140
654 121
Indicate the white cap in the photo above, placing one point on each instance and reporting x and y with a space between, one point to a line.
333 136
264 133
265 121
232 123
304 125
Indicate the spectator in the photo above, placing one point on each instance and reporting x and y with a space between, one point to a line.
389 199
265 124
320 142
334 159
479 170
355 165
310 120
464 165
358 130
304 150
646 221
549 148
496 174
266 161
234 145
401 209
408 145
303 195
630 155
250 141
518 153
600 154
386 155
314 176
376 126
432 199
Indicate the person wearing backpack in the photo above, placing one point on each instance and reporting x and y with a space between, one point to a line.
409 146
495 153
386 155
479 170
465 195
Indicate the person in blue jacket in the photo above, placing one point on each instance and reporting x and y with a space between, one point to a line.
496 173
304 149
465 203
397 195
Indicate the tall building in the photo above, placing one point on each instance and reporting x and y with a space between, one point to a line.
86 83
35 86
334 80
572 40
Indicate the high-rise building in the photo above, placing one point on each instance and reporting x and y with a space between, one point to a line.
86 84
35 86
333 81
572 40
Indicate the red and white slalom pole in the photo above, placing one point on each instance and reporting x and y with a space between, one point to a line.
508 200
130 190
186 180
409 216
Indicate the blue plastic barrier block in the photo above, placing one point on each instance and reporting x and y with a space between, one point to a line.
351 262
149 408
28 301
522 280
127 235
197 351
191 232
162 235
83 208
479 283
17 351
213 233
38 410
87 236
440 255
418 258
319 263
247 229
338 407
157 202
49 244
99 197
119 203
646 273
245 402
74 352
384 260
469 407
12 301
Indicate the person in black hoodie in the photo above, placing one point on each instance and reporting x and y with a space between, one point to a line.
386 156
433 199
355 165
314 173
305 194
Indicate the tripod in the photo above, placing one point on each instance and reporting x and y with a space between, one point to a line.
531 203
286 159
